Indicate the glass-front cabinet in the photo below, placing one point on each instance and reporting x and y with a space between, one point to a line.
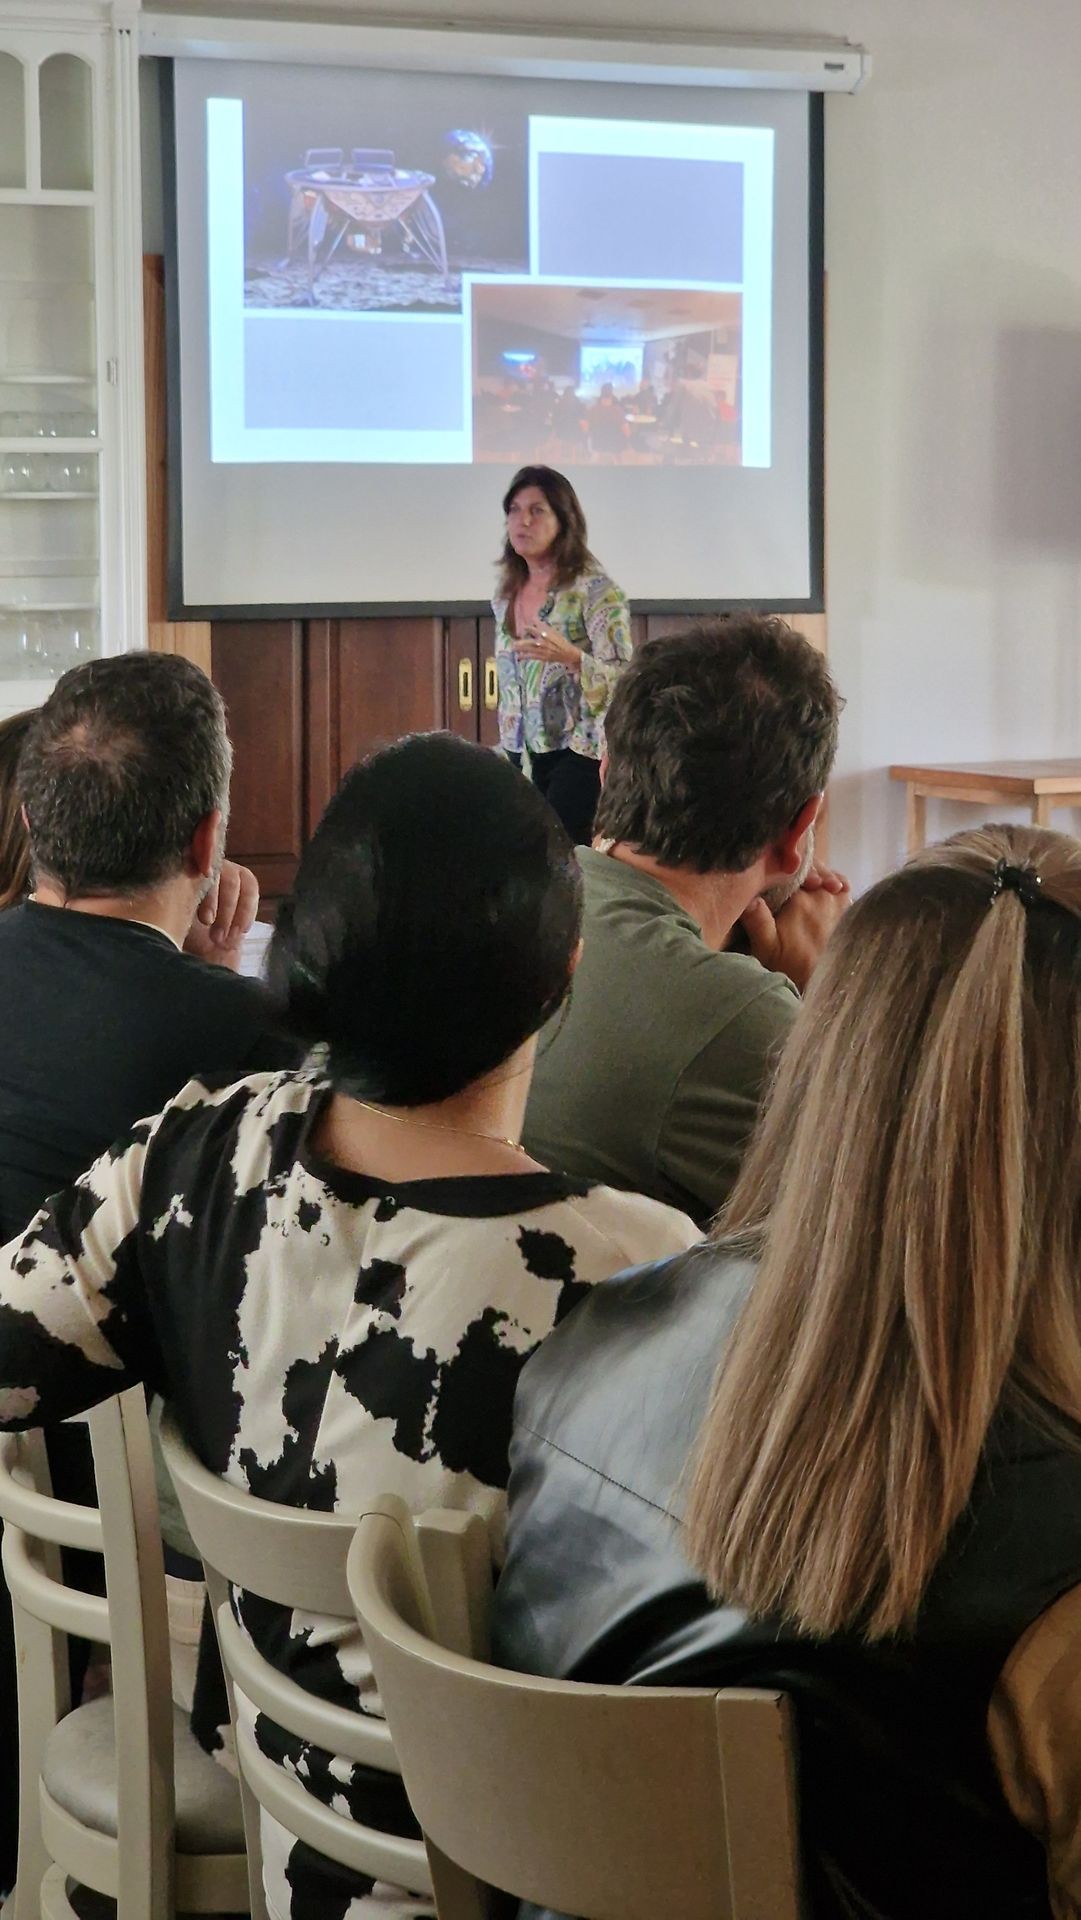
62 490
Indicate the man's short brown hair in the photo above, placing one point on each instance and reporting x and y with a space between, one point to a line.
120 765
716 738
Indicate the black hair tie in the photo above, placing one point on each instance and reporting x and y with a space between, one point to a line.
1025 882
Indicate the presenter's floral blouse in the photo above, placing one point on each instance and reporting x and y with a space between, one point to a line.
323 1336
543 706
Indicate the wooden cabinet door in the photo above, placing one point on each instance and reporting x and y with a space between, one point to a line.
463 693
368 682
488 717
257 666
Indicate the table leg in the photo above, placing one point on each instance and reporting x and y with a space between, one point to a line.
915 819
1041 810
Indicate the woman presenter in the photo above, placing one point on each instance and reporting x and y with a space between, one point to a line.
563 636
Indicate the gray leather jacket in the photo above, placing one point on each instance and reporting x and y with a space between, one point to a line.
902 1814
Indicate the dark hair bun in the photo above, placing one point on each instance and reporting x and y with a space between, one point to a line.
433 923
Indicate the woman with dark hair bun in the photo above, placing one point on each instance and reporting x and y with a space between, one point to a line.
562 638
336 1276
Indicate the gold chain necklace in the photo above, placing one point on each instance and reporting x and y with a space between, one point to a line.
439 1126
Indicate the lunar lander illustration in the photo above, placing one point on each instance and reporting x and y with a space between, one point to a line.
335 202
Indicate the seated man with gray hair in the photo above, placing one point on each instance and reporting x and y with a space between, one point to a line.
125 783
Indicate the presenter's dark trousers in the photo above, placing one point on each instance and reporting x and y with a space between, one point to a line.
571 784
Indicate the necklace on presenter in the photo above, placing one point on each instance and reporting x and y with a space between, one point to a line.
440 1126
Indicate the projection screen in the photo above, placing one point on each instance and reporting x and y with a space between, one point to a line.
391 289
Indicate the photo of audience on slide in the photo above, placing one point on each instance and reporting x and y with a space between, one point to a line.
606 376
374 201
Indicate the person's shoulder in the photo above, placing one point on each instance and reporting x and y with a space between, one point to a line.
634 1335
745 978
626 1229
595 585
713 987
220 1107
236 1014
13 926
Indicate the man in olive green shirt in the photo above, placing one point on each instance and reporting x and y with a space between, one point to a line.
719 743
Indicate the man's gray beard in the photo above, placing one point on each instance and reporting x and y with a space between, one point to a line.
779 896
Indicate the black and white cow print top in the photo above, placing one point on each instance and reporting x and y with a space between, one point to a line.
322 1336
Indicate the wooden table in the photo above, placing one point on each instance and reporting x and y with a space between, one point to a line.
1038 784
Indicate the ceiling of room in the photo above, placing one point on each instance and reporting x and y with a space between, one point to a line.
607 312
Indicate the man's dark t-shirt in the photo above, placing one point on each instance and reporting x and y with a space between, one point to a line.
103 1021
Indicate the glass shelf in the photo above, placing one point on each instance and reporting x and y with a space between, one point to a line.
14 494
47 443
47 380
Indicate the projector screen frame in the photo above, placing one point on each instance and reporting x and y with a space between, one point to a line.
180 609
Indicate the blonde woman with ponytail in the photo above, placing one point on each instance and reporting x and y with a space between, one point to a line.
837 1449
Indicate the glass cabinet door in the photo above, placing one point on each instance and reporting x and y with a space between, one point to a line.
50 446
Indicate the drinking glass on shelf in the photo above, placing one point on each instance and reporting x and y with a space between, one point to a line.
28 647
16 474
79 640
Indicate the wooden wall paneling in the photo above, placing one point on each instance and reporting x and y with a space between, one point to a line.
322 732
258 667
189 637
391 680
463 693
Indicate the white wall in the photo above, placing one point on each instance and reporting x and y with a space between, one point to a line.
953 245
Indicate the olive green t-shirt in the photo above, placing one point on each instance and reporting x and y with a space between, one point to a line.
652 1078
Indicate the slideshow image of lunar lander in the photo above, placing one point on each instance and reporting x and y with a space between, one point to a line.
335 202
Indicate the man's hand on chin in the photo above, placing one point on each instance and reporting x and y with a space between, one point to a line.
224 917
791 941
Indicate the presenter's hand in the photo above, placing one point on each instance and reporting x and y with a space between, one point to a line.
224 917
792 940
541 642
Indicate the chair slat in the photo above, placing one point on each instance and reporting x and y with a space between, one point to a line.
384 1856
66 1609
353 1735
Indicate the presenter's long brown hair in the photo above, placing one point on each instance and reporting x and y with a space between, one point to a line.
571 551
914 1196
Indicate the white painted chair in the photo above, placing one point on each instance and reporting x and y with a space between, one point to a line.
297 1559
612 1803
116 1795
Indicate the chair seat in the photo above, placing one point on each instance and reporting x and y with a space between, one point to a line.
79 1773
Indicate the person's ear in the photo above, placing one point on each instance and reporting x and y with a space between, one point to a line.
787 849
575 958
203 848
25 818
604 768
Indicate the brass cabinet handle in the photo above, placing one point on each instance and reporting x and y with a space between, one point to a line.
465 685
491 684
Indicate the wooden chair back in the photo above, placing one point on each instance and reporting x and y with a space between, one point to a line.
611 1803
